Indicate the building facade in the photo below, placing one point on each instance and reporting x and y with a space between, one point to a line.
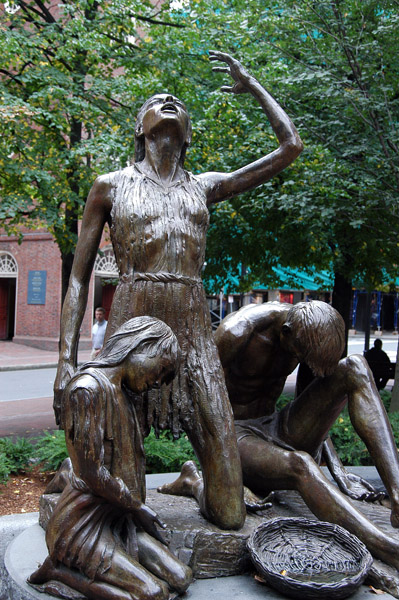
30 289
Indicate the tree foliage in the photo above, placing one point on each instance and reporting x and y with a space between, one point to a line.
333 65
69 80
75 79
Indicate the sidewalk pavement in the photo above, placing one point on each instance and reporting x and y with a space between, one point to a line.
14 357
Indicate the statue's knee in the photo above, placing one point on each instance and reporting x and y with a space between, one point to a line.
152 590
301 465
355 364
181 579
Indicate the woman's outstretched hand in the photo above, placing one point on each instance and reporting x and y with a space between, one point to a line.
234 69
148 520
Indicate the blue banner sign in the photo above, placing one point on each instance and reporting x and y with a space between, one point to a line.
37 287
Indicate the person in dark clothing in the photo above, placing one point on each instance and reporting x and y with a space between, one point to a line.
379 364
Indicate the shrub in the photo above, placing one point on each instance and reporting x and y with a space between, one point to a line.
386 398
282 401
5 467
14 456
165 455
50 450
349 446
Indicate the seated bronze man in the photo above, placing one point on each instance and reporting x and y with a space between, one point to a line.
259 346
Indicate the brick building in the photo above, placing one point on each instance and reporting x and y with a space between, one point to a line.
30 289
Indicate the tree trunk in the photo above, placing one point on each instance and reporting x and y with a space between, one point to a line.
66 268
341 301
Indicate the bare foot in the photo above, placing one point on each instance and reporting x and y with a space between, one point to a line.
61 478
45 572
185 483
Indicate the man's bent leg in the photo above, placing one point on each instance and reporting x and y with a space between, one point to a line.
267 467
371 423
306 420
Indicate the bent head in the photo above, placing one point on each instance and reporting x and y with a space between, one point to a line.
315 332
158 109
146 348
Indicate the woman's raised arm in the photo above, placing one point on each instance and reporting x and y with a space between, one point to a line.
220 186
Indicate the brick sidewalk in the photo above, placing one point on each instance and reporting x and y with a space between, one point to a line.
16 356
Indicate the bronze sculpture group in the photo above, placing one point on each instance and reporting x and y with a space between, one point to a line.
102 538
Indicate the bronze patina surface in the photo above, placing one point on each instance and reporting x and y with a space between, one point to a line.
259 346
102 538
158 217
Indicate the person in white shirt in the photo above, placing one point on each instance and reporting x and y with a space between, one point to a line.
98 331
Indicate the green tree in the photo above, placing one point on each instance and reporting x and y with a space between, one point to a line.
341 83
70 86
334 66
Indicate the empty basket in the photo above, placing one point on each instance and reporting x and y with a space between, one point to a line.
303 558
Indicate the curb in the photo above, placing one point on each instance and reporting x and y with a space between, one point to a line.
27 367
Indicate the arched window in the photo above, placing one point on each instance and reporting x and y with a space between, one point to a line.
8 265
105 265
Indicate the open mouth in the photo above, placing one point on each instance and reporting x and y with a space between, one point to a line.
169 107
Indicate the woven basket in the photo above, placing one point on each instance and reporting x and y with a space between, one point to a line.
309 559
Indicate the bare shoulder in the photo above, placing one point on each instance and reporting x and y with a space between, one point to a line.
212 183
100 196
104 183
237 330
255 316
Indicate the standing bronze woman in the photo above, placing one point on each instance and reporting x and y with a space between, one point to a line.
158 217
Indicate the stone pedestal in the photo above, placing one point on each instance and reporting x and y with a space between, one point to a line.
211 552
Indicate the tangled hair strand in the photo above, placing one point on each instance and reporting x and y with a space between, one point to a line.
146 335
320 333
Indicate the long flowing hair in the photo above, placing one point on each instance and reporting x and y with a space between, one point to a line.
146 335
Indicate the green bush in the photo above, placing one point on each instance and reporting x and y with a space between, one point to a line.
164 455
282 401
386 398
348 444
5 468
350 448
50 450
14 456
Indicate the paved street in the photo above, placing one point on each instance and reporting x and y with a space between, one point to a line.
26 391
26 402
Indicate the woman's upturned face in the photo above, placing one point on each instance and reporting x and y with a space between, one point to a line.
165 108
143 372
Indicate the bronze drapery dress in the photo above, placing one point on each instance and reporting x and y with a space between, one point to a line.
84 528
159 236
